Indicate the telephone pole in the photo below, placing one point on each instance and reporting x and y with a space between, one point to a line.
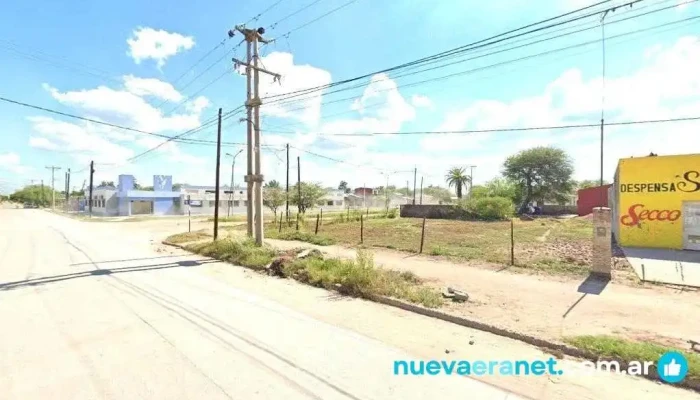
254 177
286 202
92 172
218 181
53 181
421 190
67 185
299 184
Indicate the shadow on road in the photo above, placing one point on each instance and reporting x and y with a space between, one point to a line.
100 271
125 260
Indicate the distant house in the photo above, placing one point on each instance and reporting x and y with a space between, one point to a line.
365 191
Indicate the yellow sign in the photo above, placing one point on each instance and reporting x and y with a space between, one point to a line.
651 195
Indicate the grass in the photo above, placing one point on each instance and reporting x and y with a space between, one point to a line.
626 350
186 237
302 236
244 253
535 249
359 277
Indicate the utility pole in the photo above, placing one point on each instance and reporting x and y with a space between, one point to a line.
68 185
286 202
53 186
218 173
299 183
92 172
233 166
421 190
254 178
415 173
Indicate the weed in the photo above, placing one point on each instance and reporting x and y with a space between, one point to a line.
187 237
627 350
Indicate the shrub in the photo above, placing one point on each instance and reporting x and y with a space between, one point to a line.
393 213
490 208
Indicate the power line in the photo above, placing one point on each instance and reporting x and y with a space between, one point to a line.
487 67
471 46
286 35
532 128
274 24
198 62
257 17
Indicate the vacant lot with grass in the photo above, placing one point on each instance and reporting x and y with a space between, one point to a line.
547 244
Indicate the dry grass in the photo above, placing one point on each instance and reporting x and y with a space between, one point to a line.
359 277
187 237
545 245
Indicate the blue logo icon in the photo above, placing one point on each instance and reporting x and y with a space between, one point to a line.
672 367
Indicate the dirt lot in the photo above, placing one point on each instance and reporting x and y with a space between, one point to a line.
547 245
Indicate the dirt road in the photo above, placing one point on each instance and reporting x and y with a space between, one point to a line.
99 310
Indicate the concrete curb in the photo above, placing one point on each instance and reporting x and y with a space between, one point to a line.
532 340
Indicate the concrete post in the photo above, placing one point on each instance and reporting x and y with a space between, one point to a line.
602 243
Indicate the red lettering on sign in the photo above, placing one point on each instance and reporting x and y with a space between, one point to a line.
637 213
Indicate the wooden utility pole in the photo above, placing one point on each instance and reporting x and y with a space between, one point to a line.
299 184
286 202
53 185
218 173
421 190
254 177
92 173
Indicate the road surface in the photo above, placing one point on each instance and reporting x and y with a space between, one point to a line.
88 311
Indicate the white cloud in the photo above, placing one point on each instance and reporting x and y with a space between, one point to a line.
158 45
294 77
129 109
11 162
666 86
420 101
151 87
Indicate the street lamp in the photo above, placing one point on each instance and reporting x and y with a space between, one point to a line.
233 166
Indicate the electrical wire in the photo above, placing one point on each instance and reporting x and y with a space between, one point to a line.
257 17
286 34
523 129
471 46
487 67
274 24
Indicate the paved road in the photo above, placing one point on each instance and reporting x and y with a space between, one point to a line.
88 311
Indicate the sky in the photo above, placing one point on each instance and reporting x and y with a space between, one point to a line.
165 68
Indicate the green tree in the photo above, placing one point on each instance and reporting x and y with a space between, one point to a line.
34 194
312 195
273 198
440 193
589 183
273 184
541 173
344 187
107 183
458 178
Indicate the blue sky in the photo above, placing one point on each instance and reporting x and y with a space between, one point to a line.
120 63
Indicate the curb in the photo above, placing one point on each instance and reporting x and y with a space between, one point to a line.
532 340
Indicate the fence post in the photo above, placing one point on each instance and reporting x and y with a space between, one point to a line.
280 231
368 211
297 221
422 237
318 218
348 213
322 216
512 244
362 229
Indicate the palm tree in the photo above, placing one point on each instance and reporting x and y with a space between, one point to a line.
458 178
